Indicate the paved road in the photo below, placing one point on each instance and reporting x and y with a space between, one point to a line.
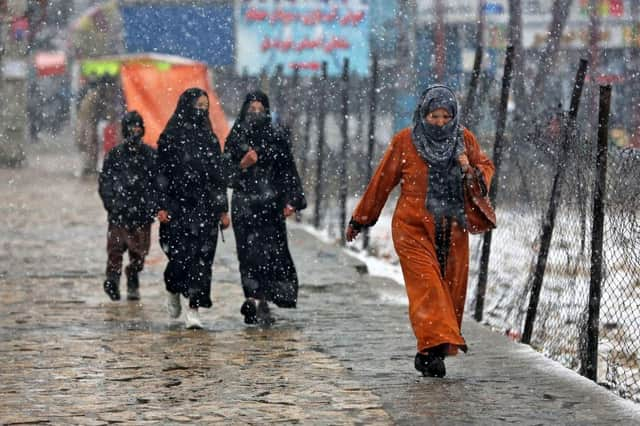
70 356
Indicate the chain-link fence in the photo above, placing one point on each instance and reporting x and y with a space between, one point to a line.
619 346
559 326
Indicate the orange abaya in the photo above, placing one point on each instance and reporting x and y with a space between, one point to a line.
436 304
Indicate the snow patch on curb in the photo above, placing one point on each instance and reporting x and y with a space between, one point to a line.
375 266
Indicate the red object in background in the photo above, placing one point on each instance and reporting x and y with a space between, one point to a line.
616 8
352 18
20 28
283 16
110 136
50 63
313 66
256 15
603 79
335 44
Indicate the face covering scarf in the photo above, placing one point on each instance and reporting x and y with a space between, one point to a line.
440 147
256 119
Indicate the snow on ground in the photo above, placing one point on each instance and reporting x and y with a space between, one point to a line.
375 266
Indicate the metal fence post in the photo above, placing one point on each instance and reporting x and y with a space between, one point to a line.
344 130
590 362
306 137
321 142
550 218
493 190
373 105
292 95
468 110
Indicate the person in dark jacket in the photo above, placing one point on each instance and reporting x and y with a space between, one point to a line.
193 203
127 186
266 190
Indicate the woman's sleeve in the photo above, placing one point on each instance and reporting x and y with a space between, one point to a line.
478 159
385 178
164 164
219 175
107 183
233 154
153 177
289 179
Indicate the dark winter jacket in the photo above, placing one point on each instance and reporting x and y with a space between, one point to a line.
191 171
127 184
274 178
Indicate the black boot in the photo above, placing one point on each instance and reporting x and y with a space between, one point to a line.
430 364
111 287
264 314
249 310
132 287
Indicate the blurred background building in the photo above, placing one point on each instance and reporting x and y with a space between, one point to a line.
417 42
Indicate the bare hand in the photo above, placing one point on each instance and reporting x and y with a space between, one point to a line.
288 210
249 159
224 220
463 160
351 233
163 216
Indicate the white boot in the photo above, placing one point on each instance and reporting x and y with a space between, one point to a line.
193 319
173 304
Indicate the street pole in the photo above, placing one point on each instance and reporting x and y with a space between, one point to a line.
548 226
371 145
322 111
440 41
498 149
594 54
405 91
13 86
346 148
590 360
515 39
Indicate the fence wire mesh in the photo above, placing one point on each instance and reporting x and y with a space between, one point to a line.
559 330
619 346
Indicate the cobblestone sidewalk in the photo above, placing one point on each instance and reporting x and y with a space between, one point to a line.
70 356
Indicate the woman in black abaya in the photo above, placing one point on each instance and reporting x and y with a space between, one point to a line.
193 203
266 190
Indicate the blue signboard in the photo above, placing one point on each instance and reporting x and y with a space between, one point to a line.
302 34
201 33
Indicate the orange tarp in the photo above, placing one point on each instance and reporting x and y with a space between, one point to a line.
153 91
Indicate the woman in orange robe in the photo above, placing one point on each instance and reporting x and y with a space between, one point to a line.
430 161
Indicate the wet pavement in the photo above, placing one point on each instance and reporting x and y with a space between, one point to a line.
70 356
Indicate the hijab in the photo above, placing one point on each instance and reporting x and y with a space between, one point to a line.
187 116
256 131
132 119
440 147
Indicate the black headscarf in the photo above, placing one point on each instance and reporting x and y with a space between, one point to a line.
260 135
440 148
259 96
131 119
185 115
